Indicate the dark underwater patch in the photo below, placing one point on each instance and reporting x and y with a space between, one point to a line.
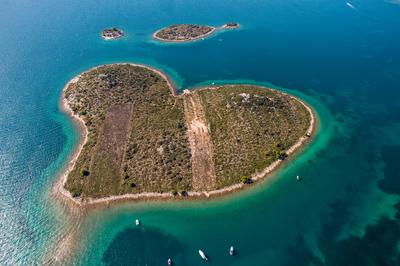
391 182
300 255
143 246
377 247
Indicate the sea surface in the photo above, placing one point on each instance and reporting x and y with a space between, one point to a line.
344 60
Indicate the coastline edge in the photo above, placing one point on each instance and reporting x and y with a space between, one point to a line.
258 176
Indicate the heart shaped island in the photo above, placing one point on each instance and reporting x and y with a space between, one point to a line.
144 140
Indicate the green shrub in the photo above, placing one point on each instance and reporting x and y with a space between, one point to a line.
280 155
76 192
85 172
247 179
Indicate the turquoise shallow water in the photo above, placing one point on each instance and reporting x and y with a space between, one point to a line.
344 62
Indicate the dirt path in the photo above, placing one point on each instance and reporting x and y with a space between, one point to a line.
203 184
203 172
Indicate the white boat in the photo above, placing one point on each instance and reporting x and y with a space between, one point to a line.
351 6
169 262
202 255
231 251
298 178
137 222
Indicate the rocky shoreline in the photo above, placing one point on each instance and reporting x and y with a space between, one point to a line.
166 195
181 33
112 34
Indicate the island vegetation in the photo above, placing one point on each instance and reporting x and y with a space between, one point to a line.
183 32
250 127
144 138
231 25
112 33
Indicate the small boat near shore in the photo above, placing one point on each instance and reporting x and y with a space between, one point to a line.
169 262
137 222
298 178
203 255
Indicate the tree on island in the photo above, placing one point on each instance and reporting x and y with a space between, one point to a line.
174 192
247 179
85 172
76 192
281 155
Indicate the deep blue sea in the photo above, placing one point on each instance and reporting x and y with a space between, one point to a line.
343 61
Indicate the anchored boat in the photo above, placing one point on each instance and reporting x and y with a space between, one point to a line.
202 255
137 222
231 251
